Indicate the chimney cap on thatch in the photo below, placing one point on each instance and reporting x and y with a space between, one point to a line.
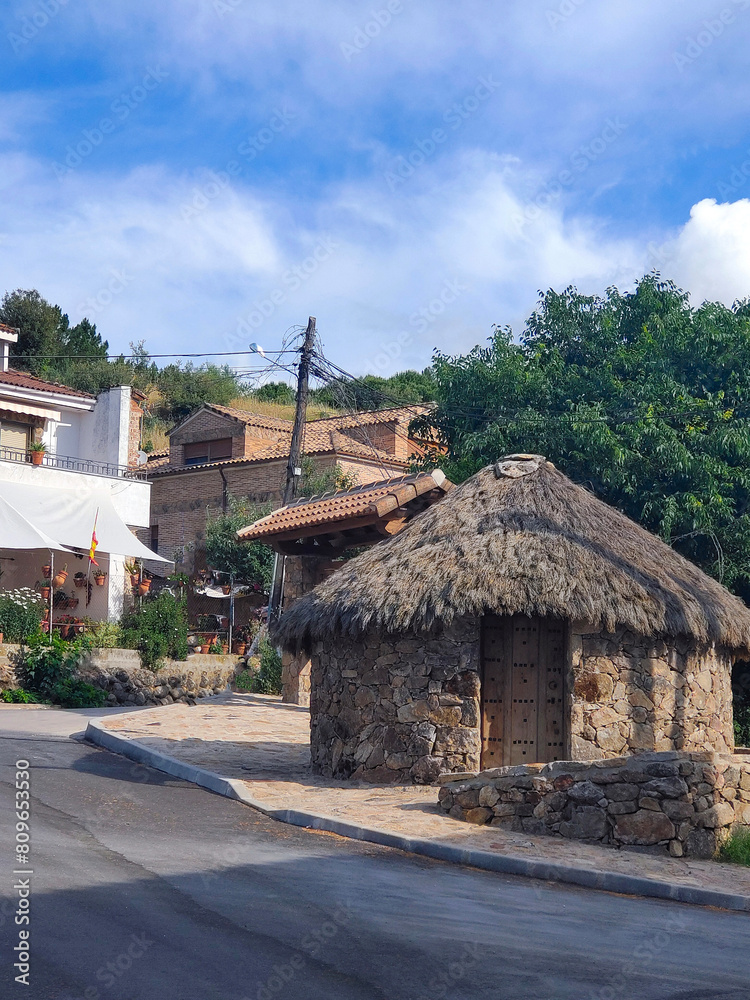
520 538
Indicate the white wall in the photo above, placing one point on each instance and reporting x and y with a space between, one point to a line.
104 433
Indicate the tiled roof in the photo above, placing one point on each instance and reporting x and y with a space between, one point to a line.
376 499
8 329
23 380
320 443
256 419
365 417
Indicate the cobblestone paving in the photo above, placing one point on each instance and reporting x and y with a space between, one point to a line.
266 744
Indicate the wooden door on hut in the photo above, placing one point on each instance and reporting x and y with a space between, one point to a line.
523 671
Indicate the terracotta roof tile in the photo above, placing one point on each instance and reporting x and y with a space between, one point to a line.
374 499
23 380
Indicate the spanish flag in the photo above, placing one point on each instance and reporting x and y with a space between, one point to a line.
94 541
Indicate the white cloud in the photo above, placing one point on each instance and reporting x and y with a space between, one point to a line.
710 255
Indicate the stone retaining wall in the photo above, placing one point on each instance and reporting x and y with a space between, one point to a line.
686 802
396 707
120 674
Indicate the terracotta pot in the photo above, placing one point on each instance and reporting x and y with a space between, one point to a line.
37 457
1 637
143 587
224 648
238 648
79 581
134 579
209 639
100 580
46 570
226 589
60 579
72 602
45 592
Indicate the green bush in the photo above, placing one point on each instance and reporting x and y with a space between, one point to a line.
736 849
159 629
21 611
268 678
17 696
105 635
69 692
47 670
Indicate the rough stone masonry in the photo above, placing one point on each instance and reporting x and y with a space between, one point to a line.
687 802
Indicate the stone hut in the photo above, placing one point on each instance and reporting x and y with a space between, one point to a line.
518 621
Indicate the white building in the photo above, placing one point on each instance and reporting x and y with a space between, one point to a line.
89 469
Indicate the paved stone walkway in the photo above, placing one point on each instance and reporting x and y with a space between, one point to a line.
264 743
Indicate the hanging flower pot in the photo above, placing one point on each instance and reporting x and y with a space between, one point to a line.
45 592
46 570
79 580
60 577
143 587
72 602
100 579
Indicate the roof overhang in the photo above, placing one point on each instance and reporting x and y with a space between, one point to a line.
330 524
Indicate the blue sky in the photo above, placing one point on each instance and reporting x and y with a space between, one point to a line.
205 173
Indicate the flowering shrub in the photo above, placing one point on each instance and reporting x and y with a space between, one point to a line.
21 611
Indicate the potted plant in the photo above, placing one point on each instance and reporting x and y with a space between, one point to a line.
100 577
224 648
37 450
79 580
131 568
144 585
46 571
44 589
60 577
60 599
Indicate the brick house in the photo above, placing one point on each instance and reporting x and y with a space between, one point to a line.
218 451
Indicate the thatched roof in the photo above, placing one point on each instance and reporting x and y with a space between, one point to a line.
520 538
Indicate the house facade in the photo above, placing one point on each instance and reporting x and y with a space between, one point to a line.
219 451
91 451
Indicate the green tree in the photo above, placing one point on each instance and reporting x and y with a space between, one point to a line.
185 387
276 392
371 392
314 481
249 562
639 396
41 327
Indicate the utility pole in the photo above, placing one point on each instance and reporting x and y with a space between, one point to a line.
293 468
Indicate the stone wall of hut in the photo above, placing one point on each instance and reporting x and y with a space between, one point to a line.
628 694
397 707
301 575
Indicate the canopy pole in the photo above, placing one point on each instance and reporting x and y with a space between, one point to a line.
231 609
51 591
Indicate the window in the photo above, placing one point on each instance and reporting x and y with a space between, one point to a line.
14 435
207 451
154 537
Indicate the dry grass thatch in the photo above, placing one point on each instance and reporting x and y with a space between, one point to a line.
520 538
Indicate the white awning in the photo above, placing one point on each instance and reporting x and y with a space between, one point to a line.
68 516
27 410
16 532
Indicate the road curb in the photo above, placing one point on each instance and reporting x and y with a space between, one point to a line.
631 885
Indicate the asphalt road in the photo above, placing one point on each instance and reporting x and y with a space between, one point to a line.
147 888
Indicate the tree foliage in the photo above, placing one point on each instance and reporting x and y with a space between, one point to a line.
375 393
638 396
249 562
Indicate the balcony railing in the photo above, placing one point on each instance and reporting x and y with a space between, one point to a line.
84 465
